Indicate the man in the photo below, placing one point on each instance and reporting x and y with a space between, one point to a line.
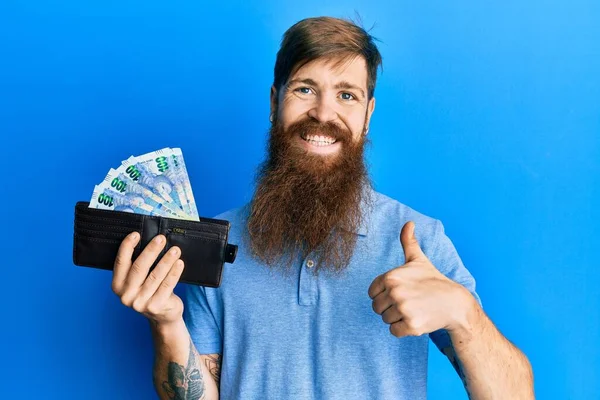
336 289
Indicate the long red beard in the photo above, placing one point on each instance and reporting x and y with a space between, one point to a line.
307 203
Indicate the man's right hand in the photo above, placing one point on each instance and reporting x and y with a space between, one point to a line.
149 294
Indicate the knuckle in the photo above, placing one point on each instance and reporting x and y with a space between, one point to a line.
413 326
139 305
412 323
126 299
153 308
409 332
116 288
402 309
152 278
395 293
168 258
167 283
388 280
120 258
414 331
418 326
136 267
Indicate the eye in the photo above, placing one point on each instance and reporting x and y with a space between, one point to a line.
347 96
303 90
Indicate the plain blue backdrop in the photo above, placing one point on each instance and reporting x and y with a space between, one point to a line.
488 118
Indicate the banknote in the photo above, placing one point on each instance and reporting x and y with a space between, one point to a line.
155 183
181 176
108 199
152 171
123 184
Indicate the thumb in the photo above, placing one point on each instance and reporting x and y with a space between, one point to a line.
412 251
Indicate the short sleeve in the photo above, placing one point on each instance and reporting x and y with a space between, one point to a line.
444 256
200 321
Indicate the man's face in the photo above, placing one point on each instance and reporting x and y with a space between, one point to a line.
324 92
311 187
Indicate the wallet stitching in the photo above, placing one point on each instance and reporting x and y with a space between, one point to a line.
91 210
93 213
198 238
98 239
120 228
117 221
94 231
194 224
199 234
217 239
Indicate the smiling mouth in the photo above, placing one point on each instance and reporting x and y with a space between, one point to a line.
318 140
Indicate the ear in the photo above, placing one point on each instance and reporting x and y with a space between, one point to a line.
370 109
274 101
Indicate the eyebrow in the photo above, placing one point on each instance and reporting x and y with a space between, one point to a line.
339 85
348 85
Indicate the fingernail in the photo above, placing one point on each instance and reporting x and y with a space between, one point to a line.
135 236
174 250
160 239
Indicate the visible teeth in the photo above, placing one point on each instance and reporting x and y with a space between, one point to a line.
319 140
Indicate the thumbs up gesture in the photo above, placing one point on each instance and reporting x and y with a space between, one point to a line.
415 298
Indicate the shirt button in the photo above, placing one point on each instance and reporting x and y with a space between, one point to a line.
310 263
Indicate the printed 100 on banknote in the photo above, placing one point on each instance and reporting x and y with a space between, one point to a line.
155 183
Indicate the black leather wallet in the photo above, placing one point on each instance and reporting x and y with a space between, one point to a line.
204 248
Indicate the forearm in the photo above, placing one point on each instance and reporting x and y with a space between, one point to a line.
178 368
492 367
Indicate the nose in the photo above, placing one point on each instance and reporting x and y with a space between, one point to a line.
323 110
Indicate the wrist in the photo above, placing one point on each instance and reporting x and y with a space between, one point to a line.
167 328
466 313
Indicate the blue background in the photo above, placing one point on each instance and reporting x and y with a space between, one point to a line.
488 118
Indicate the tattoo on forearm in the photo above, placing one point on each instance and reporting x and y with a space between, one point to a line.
213 364
451 354
184 383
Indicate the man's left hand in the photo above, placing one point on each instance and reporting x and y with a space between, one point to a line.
415 298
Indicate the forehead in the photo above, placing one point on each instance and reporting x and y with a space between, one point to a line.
331 71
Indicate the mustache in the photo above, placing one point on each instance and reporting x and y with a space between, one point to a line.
309 126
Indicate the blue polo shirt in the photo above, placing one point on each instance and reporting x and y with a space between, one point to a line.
305 336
